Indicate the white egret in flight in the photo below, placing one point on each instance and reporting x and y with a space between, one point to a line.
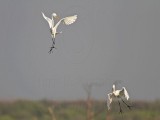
118 95
53 27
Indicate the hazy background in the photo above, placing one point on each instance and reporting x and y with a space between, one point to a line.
111 40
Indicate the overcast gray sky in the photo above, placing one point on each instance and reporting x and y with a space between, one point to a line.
111 40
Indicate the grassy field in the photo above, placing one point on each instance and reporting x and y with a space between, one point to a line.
77 110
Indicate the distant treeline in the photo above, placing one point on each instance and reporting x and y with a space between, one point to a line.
76 110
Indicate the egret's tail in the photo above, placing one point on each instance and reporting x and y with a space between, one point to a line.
58 33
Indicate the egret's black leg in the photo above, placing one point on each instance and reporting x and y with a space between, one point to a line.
120 107
53 41
53 45
50 50
129 106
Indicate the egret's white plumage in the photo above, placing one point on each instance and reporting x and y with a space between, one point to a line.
118 95
53 28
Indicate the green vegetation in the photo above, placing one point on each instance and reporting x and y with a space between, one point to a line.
76 110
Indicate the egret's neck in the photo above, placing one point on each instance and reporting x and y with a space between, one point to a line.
52 21
52 16
113 88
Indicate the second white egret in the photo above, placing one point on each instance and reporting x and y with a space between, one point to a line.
118 95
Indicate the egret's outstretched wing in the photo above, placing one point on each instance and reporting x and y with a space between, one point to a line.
48 20
124 93
109 101
67 20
